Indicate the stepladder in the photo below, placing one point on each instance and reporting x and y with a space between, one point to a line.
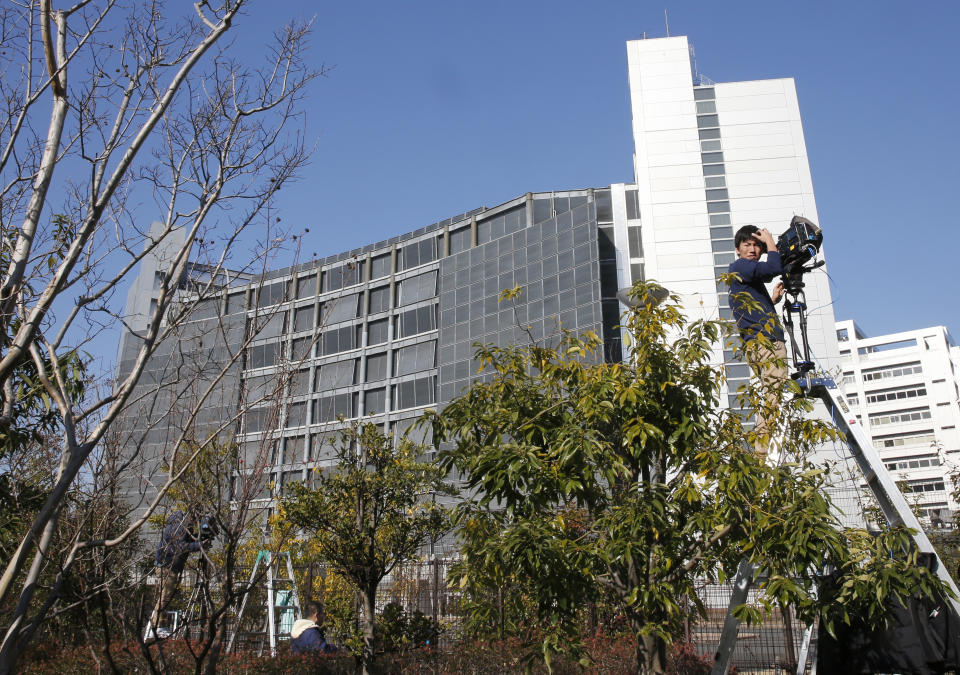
890 501
272 578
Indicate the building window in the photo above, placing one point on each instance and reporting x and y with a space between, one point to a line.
375 401
341 309
892 371
415 289
896 394
900 440
379 299
607 249
348 274
376 367
340 340
899 344
418 253
707 121
306 287
633 204
416 321
300 382
380 266
414 393
293 450
713 195
297 414
931 485
259 419
303 319
415 358
236 302
263 356
272 294
336 375
301 348
842 335
704 93
260 387
377 332
920 462
900 417
635 242
329 408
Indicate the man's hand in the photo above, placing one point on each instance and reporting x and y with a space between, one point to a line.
763 235
778 291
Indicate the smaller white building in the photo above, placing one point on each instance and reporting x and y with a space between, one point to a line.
905 390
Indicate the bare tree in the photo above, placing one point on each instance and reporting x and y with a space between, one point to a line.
111 110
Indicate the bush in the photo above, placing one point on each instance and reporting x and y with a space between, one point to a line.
399 631
611 654
177 659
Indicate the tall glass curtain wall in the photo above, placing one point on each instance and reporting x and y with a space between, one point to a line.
385 332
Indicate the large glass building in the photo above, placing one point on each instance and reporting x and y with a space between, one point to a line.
380 333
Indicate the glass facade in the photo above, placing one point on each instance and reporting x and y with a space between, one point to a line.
383 332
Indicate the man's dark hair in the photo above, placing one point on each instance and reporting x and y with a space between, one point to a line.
313 608
747 232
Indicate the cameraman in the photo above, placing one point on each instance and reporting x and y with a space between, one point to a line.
178 540
756 317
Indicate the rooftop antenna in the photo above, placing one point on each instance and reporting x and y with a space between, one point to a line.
666 20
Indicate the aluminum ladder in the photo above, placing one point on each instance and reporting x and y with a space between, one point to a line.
282 601
892 504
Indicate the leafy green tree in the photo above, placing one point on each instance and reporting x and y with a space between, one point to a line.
626 480
371 512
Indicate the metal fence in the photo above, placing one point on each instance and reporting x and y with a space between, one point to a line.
773 646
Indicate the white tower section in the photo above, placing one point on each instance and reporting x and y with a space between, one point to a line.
710 158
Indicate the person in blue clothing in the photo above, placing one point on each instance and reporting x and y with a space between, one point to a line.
754 311
178 539
307 635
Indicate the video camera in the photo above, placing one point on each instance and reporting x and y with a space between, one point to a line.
799 243
207 528
797 246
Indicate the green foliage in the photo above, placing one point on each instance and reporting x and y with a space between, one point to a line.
371 512
374 509
29 414
399 631
627 481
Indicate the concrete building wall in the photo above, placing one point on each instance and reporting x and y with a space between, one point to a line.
905 390
710 158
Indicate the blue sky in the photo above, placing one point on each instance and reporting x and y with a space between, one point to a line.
435 108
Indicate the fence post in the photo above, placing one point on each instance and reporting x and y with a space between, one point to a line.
435 600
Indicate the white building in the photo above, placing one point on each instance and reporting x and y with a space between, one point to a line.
710 158
904 388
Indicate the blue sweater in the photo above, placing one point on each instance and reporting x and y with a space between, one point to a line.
754 274
176 544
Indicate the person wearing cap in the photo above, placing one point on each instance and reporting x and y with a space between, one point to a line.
754 311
